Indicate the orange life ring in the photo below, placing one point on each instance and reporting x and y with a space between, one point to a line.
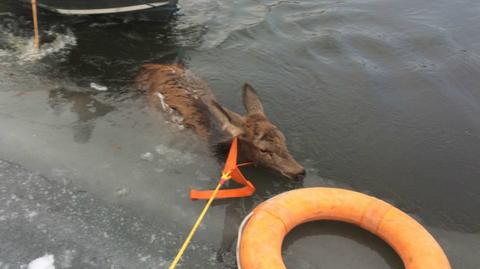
260 240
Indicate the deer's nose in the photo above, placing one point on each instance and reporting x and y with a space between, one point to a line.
299 176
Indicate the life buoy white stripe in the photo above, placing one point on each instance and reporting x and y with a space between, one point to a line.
239 238
109 10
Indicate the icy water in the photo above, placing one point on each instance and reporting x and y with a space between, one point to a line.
381 97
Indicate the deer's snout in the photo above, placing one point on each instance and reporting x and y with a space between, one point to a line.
292 169
297 175
300 175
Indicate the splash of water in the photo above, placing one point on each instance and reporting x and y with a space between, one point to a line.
25 52
17 43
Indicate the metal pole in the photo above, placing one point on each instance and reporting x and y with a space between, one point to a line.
35 24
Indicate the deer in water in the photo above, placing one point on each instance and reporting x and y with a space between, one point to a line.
190 102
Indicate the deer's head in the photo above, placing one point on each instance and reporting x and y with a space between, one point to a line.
260 140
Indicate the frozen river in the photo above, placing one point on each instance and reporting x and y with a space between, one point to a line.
381 97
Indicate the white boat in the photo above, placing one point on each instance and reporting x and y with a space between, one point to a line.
96 7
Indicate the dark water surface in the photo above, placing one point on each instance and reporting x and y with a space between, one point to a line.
381 97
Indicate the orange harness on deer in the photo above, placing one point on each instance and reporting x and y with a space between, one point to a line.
230 170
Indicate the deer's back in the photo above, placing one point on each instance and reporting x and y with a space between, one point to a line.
176 90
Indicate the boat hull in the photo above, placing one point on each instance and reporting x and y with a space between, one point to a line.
96 7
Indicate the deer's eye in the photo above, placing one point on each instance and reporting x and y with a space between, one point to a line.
266 152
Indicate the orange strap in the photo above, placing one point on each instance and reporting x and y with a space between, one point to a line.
230 170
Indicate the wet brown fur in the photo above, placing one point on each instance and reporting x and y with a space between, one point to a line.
183 92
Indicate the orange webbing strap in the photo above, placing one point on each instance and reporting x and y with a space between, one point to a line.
231 169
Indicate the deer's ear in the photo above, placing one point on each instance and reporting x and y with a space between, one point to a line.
229 120
235 118
251 101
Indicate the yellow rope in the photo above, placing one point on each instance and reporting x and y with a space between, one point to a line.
35 24
225 176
